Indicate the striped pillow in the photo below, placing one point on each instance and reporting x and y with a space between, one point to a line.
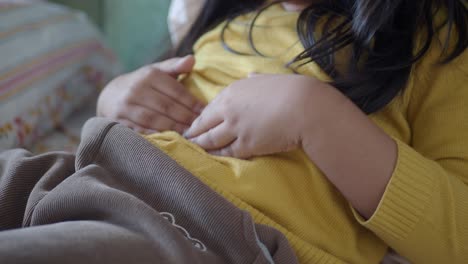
52 62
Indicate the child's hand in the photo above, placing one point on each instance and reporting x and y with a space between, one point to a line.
261 115
150 99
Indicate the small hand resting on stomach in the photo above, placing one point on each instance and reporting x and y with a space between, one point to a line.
151 99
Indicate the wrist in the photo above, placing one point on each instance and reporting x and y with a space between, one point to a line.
356 155
326 110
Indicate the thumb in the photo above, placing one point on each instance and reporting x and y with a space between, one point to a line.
176 66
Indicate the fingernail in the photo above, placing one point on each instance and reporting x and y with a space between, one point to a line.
181 62
185 133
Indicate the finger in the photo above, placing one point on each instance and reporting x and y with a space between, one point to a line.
209 118
176 66
166 124
135 127
153 120
216 138
199 107
233 150
172 88
174 110
167 106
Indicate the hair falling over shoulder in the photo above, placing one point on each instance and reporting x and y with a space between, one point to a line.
382 35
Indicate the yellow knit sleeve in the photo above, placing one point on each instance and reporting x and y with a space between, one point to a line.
423 214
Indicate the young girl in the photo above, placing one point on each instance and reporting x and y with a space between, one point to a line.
341 123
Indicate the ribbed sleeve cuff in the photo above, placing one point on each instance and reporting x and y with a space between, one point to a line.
406 197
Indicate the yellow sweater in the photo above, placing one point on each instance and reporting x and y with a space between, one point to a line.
424 212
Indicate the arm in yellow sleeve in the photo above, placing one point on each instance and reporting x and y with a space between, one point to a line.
423 214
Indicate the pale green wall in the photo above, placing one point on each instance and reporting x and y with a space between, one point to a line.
135 29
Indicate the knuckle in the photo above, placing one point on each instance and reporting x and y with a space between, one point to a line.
171 107
188 118
244 140
141 73
227 106
223 107
225 100
136 85
119 112
210 139
147 70
179 128
148 73
172 126
164 124
167 107
158 125
233 121
135 89
179 91
187 99
127 97
145 117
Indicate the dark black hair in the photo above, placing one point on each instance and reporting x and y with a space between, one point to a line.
382 35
